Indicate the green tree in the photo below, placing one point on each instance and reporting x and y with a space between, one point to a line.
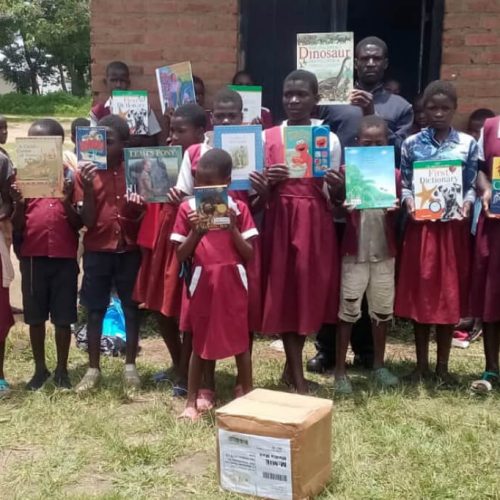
50 34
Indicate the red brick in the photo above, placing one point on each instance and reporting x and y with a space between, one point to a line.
490 22
478 6
481 39
456 56
453 40
455 20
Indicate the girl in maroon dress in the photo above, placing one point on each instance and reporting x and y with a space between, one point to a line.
158 286
300 251
434 273
217 311
485 298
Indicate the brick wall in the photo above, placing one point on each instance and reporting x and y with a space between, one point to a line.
147 34
471 53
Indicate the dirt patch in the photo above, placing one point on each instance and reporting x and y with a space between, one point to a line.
153 350
89 484
9 457
193 466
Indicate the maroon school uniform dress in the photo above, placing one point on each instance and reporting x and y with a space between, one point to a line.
254 266
434 273
217 311
6 317
300 252
485 296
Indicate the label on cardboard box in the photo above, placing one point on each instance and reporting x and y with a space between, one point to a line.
255 465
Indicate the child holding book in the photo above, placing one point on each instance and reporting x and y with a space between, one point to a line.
218 305
485 296
49 269
368 262
158 286
434 274
118 78
300 253
6 269
111 257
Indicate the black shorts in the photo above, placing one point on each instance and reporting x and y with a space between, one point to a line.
103 271
50 289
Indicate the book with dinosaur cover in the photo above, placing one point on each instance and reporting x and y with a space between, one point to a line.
495 187
252 101
39 166
132 106
212 205
175 85
91 146
307 150
437 189
151 172
244 144
330 57
370 178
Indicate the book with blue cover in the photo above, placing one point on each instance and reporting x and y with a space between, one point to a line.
212 203
370 177
244 144
495 187
91 146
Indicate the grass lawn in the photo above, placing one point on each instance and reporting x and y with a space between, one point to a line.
412 442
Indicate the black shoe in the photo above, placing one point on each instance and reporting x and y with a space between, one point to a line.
37 381
363 361
320 363
61 380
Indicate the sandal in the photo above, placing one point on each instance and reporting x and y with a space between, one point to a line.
342 385
179 391
484 384
205 400
4 388
190 413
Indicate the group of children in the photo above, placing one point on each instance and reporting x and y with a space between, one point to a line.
278 268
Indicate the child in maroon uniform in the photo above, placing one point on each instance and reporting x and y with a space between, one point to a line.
49 269
158 286
112 257
218 305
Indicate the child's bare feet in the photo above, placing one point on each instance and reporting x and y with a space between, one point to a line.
205 400
190 413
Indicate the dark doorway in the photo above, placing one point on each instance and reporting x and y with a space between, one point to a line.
412 30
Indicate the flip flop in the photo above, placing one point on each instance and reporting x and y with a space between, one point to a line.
190 413
179 391
205 400
4 388
484 384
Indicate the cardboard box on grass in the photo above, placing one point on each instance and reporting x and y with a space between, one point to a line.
274 445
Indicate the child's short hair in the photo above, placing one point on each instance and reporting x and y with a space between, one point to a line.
372 40
240 73
481 114
198 80
46 126
225 95
305 76
79 122
438 87
117 65
118 124
218 161
373 121
193 113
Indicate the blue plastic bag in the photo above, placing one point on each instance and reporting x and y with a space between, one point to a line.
113 324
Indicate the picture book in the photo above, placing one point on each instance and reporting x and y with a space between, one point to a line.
91 146
39 166
132 106
244 144
495 187
330 56
437 189
252 101
151 172
370 177
302 145
175 85
212 205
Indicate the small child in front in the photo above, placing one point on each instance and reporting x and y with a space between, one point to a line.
369 250
111 257
218 306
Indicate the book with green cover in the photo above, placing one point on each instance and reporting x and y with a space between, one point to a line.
438 190
132 106
370 177
251 96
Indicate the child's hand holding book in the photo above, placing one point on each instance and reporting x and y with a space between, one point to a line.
277 173
198 223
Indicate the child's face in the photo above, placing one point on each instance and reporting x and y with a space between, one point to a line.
115 147
227 113
199 92
440 110
372 136
420 118
298 100
244 80
183 133
3 132
117 79
475 127
209 177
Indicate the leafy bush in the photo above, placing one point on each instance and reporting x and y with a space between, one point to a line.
53 104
